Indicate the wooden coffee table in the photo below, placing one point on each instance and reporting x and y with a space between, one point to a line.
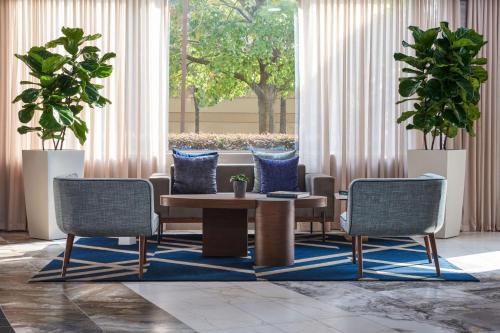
225 224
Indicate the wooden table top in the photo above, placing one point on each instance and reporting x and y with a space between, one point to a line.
228 201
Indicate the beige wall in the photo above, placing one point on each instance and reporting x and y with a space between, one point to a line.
237 116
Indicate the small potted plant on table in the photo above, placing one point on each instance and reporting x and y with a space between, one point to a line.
239 185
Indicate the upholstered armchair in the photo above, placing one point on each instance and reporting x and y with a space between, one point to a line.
107 208
395 207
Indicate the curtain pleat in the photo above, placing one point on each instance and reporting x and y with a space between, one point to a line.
128 138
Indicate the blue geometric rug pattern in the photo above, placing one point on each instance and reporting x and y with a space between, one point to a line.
179 258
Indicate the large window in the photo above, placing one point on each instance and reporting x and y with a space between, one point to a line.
232 74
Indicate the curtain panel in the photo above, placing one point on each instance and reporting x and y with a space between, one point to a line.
127 138
482 189
348 83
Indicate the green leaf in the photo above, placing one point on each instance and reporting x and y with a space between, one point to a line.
406 100
70 91
29 82
462 42
104 71
56 42
108 56
102 101
451 131
409 70
53 63
428 37
62 114
27 129
47 120
76 109
27 96
479 61
79 128
408 87
480 73
26 113
405 116
90 49
90 95
91 37
447 32
30 62
73 34
72 47
89 65
47 80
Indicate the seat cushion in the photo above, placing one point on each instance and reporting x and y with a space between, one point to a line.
344 222
278 175
195 175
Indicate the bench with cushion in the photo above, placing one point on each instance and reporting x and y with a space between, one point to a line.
316 184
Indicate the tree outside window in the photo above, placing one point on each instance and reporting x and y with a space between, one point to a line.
239 69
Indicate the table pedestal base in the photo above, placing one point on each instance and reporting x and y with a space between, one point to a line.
274 233
225 232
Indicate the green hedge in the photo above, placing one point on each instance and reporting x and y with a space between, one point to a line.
231 141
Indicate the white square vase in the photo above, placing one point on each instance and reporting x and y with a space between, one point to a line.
449 164
39 169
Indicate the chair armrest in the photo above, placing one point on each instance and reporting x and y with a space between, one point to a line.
323 185
161 186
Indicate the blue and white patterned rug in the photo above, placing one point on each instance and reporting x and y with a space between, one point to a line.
179 258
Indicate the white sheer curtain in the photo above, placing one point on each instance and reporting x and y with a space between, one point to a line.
349 83
127 138
482 186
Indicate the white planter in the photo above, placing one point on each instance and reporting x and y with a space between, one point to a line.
39 169
449 164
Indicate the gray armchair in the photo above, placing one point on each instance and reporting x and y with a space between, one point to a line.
395 207
105 207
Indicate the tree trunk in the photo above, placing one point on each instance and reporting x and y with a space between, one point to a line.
270 113
261 101
266 96
196 112
282 115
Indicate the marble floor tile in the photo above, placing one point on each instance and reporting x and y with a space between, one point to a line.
69 307
244 307
312 326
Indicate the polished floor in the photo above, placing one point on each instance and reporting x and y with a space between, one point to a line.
251 306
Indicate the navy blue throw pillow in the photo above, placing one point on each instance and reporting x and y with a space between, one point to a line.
184 154
195 175
278 175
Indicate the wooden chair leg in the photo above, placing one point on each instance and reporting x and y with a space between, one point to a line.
353 241
67 253
432 239
359 245
142 250
310 227
323 222
428 248
160 233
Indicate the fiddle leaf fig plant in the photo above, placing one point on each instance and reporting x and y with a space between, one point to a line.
62 84
445 76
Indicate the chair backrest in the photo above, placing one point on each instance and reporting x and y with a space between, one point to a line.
397 207
104 207
225 171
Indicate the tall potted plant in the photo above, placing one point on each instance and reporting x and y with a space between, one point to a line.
62 85
443 82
